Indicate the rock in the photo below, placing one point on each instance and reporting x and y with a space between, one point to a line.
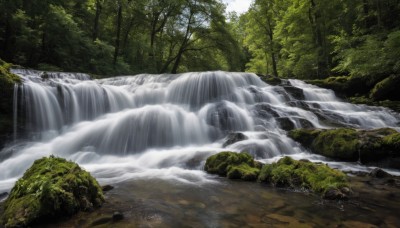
3 195
51 188
295 92
107 188
233 165
305 123
346 144
117 216
234 138
285 123
101 221
331 183
387 89
334 194
269 79
379 173
7 82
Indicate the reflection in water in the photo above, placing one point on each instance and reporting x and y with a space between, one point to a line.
161 203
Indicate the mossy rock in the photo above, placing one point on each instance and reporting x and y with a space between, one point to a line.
347 144
339 143
51 188
345 86
269 79
233 165
7 81
304 174
387 89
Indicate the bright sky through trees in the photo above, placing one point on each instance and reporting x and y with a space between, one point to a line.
239 6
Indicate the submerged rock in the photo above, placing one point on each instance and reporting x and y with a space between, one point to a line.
107 188
233 165
51 188
234 138
320 178
367 146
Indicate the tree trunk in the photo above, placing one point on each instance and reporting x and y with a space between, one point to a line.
117 40
96 20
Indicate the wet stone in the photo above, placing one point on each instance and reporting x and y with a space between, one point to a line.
234 138
3 195
117 216
107 188
101 221
379 173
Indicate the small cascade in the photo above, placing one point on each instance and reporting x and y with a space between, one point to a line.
136 125
15 112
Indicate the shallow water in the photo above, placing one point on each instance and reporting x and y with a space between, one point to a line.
224 203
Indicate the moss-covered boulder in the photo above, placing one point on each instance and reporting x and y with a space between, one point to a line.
269 79
233 165
319 178
387 89
51 188
7 81
346 86
350 144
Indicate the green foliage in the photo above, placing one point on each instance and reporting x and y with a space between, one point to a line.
119 37
50 188
303 174
233 165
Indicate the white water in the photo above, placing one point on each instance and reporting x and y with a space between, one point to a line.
166 125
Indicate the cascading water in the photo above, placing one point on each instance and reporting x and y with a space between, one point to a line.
166 125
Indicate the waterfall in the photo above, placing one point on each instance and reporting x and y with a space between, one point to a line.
136 126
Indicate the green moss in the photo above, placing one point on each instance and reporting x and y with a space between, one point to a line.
346 86
386 89
303 174
339 143
271 80
392 142
368 146
6 77
233 165
304 136
51 188
243 171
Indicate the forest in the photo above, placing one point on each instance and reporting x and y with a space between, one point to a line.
305 39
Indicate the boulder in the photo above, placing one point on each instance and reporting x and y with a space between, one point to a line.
387 89
269 79
346 144
294 92
7 81
379 173
303 174
234 138
285 123
51 188
233 165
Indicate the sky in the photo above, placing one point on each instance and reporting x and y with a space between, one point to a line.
239 6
